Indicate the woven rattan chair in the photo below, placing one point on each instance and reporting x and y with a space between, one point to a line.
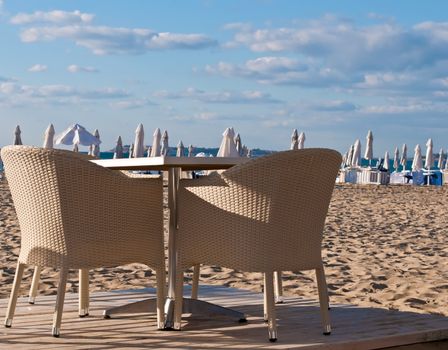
264 216
74 214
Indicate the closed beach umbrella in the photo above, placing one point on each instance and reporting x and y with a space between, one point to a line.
131 150
396 159
155 150
356 159
238 144
441 158
17 137
417 163
245 151
348 161
429 161
77 134
295 140
118 149
344 159
96 147
180 149
386 160
404 156
148 151
139 144
190 150
49 137
301 141
227 147
369 147
165 146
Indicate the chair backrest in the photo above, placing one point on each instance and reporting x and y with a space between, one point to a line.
275 209
72 211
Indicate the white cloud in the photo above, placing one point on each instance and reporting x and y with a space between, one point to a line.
73 68
334 106
38 68
19 94
342 45
244 97
56 17
282 70
132 103
102 40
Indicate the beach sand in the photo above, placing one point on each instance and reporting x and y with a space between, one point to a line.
384 246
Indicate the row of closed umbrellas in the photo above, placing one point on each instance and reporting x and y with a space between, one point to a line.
353 156
231 145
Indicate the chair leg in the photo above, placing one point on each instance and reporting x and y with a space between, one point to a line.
265 301
161 281
178 300
278 287
34 284
323 299
84 301
14 294
57 318
270 305
195 282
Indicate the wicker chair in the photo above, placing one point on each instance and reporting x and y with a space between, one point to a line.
266 215
74 214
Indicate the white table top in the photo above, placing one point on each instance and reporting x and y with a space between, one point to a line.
165 163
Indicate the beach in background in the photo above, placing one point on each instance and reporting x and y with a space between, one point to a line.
384 246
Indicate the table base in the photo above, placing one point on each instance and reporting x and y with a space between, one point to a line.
189 306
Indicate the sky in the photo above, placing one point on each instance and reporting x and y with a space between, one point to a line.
330 69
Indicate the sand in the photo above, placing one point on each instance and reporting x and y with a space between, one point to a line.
384 246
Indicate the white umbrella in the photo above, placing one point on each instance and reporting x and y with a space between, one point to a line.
131 150
49 137
386 160
369 147
165 148
295 140
441 159
344 159
356 159
417 163
238 144
77 134
155 150
404 156
139 145
227 147
446 163
245 151
118 149
429 161
96 147
17 137
190 151
396 159
301 141
348 161
180 149
148 151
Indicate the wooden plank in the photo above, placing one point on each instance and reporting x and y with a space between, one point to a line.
299 325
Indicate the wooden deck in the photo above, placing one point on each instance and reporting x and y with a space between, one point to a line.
299 325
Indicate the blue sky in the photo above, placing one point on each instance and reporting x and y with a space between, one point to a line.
332 69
